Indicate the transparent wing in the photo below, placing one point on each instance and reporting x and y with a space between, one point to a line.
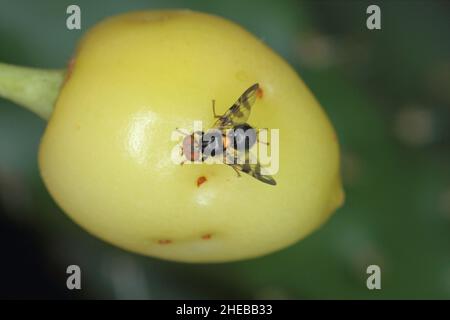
239 111
252 169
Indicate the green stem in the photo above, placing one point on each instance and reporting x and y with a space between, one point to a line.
33 89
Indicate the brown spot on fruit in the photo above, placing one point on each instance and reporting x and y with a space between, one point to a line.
69 69
201 180
259 93
206 236
164 241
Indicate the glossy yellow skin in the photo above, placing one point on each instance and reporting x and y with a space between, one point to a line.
106 153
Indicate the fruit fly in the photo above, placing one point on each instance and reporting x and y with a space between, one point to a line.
230 136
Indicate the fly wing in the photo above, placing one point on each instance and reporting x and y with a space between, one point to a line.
255 171
239 112
252 169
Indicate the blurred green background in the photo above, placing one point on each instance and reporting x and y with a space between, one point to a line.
388 94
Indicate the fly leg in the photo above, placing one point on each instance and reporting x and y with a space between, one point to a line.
216 116
182 132
257 136
236 170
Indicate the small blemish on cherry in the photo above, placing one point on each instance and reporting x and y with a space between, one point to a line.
164 241
206 236
260 93
335 136
70 66
201 180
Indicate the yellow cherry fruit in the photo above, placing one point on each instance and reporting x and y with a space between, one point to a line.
106 155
